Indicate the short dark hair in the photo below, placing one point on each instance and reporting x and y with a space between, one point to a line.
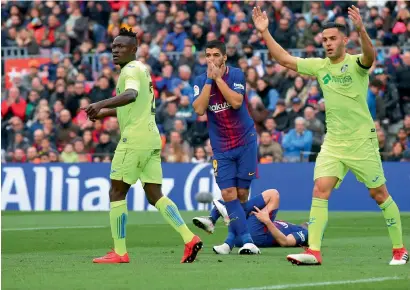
376 83
217 44
340 27
127 32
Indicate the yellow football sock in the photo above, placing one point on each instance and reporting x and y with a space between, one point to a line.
317 222
392 216
170 212
118 220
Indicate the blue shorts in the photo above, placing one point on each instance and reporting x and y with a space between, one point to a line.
236 167
260 235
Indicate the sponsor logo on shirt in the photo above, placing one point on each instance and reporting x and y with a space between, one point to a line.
343 80
196 91
219 107
238 86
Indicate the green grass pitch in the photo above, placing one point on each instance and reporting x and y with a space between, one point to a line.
52 250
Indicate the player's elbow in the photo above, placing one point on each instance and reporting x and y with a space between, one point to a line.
237 102
198 110
130 96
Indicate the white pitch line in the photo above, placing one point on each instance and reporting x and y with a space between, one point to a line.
52 228
289 286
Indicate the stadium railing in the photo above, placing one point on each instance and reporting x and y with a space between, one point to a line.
19 52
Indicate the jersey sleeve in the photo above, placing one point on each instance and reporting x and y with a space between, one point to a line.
301 237
360 68
309 66
198 86
239 83
132 78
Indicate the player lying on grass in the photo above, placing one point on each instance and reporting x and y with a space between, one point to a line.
266 232
351 140
137 156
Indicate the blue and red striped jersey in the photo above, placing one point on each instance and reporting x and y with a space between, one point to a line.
228 128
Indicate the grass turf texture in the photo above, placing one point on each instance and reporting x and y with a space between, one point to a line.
356 246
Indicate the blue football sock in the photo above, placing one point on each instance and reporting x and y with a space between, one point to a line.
230 239
238 220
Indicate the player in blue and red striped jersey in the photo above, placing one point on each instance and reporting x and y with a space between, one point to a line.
266 232
221 93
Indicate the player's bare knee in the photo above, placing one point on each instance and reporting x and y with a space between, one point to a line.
229 194
320 191
243 194
379 194
153 192
116 194
270 195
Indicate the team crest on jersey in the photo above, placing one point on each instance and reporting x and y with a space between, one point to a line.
196 91
344 68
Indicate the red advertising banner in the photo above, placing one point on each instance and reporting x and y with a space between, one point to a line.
18 67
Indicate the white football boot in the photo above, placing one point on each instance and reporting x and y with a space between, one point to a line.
205 223
249 249
223 249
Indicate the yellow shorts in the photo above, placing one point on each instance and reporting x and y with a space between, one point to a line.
361 156
129 165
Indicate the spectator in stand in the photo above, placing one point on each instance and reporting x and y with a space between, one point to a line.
298 90
403 84
269 147
18 156
198 133
298 142
180 86
177 147
166 115
20 142
268 94
403 138
295 112
372 95
13 105
32 155
397 152
105 147
318 130
69 155
281 116
79 148
66 130
88 142
390 97
406 124
101 90
177 38
199 155
270 126
185 110
381 137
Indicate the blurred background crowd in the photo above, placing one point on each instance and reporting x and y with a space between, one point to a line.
40 109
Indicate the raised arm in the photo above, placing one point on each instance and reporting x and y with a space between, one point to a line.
368 55
202 99
261 21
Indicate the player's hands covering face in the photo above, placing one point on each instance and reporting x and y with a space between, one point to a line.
213 72
260 19
261 215
354 15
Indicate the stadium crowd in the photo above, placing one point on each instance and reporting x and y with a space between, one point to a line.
41 116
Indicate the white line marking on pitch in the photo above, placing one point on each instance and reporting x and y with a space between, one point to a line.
288 286
52 228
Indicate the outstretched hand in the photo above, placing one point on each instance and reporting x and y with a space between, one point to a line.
354 15
260 19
